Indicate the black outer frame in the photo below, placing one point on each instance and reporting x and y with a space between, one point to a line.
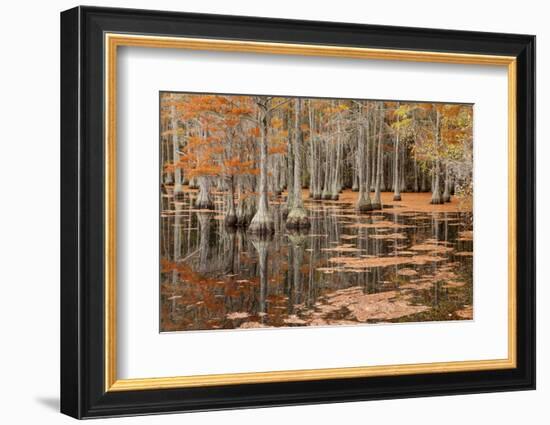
82 212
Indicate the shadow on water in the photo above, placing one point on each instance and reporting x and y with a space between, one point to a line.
384 266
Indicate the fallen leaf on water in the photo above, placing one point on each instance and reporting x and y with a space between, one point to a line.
425 259
436 242
382 224
399 236
444 275
380 306
454 283
237 315
341 249
355 262
407 272
430 247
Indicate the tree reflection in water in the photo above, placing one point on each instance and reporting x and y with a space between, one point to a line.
400 264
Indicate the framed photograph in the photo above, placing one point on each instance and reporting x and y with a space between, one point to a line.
261 212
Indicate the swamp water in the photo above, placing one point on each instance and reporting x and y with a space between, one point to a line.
410 262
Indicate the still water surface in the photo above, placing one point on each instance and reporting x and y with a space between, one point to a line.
406 263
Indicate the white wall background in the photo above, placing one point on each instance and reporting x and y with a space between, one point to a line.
29 211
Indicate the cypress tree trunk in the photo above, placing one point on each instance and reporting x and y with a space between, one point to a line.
403 186
436 191
314 160
193 183
204 200
367 162
297 217
178 189
355 179
363 201
183 177
396 188
377 203
336 182
383 178
424 184
231 216
446 192
204 245
326 192
283 175
262 222
319 173
242 219
177 231
246 208
373 160
276 176
289 176
416 188
312 170
166 159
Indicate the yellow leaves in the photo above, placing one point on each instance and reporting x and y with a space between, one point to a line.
455 131
452 135
426 107
403 110
219 133
451 111
276 123
402 124
331 109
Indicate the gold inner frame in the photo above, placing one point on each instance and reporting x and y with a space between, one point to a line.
113 41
